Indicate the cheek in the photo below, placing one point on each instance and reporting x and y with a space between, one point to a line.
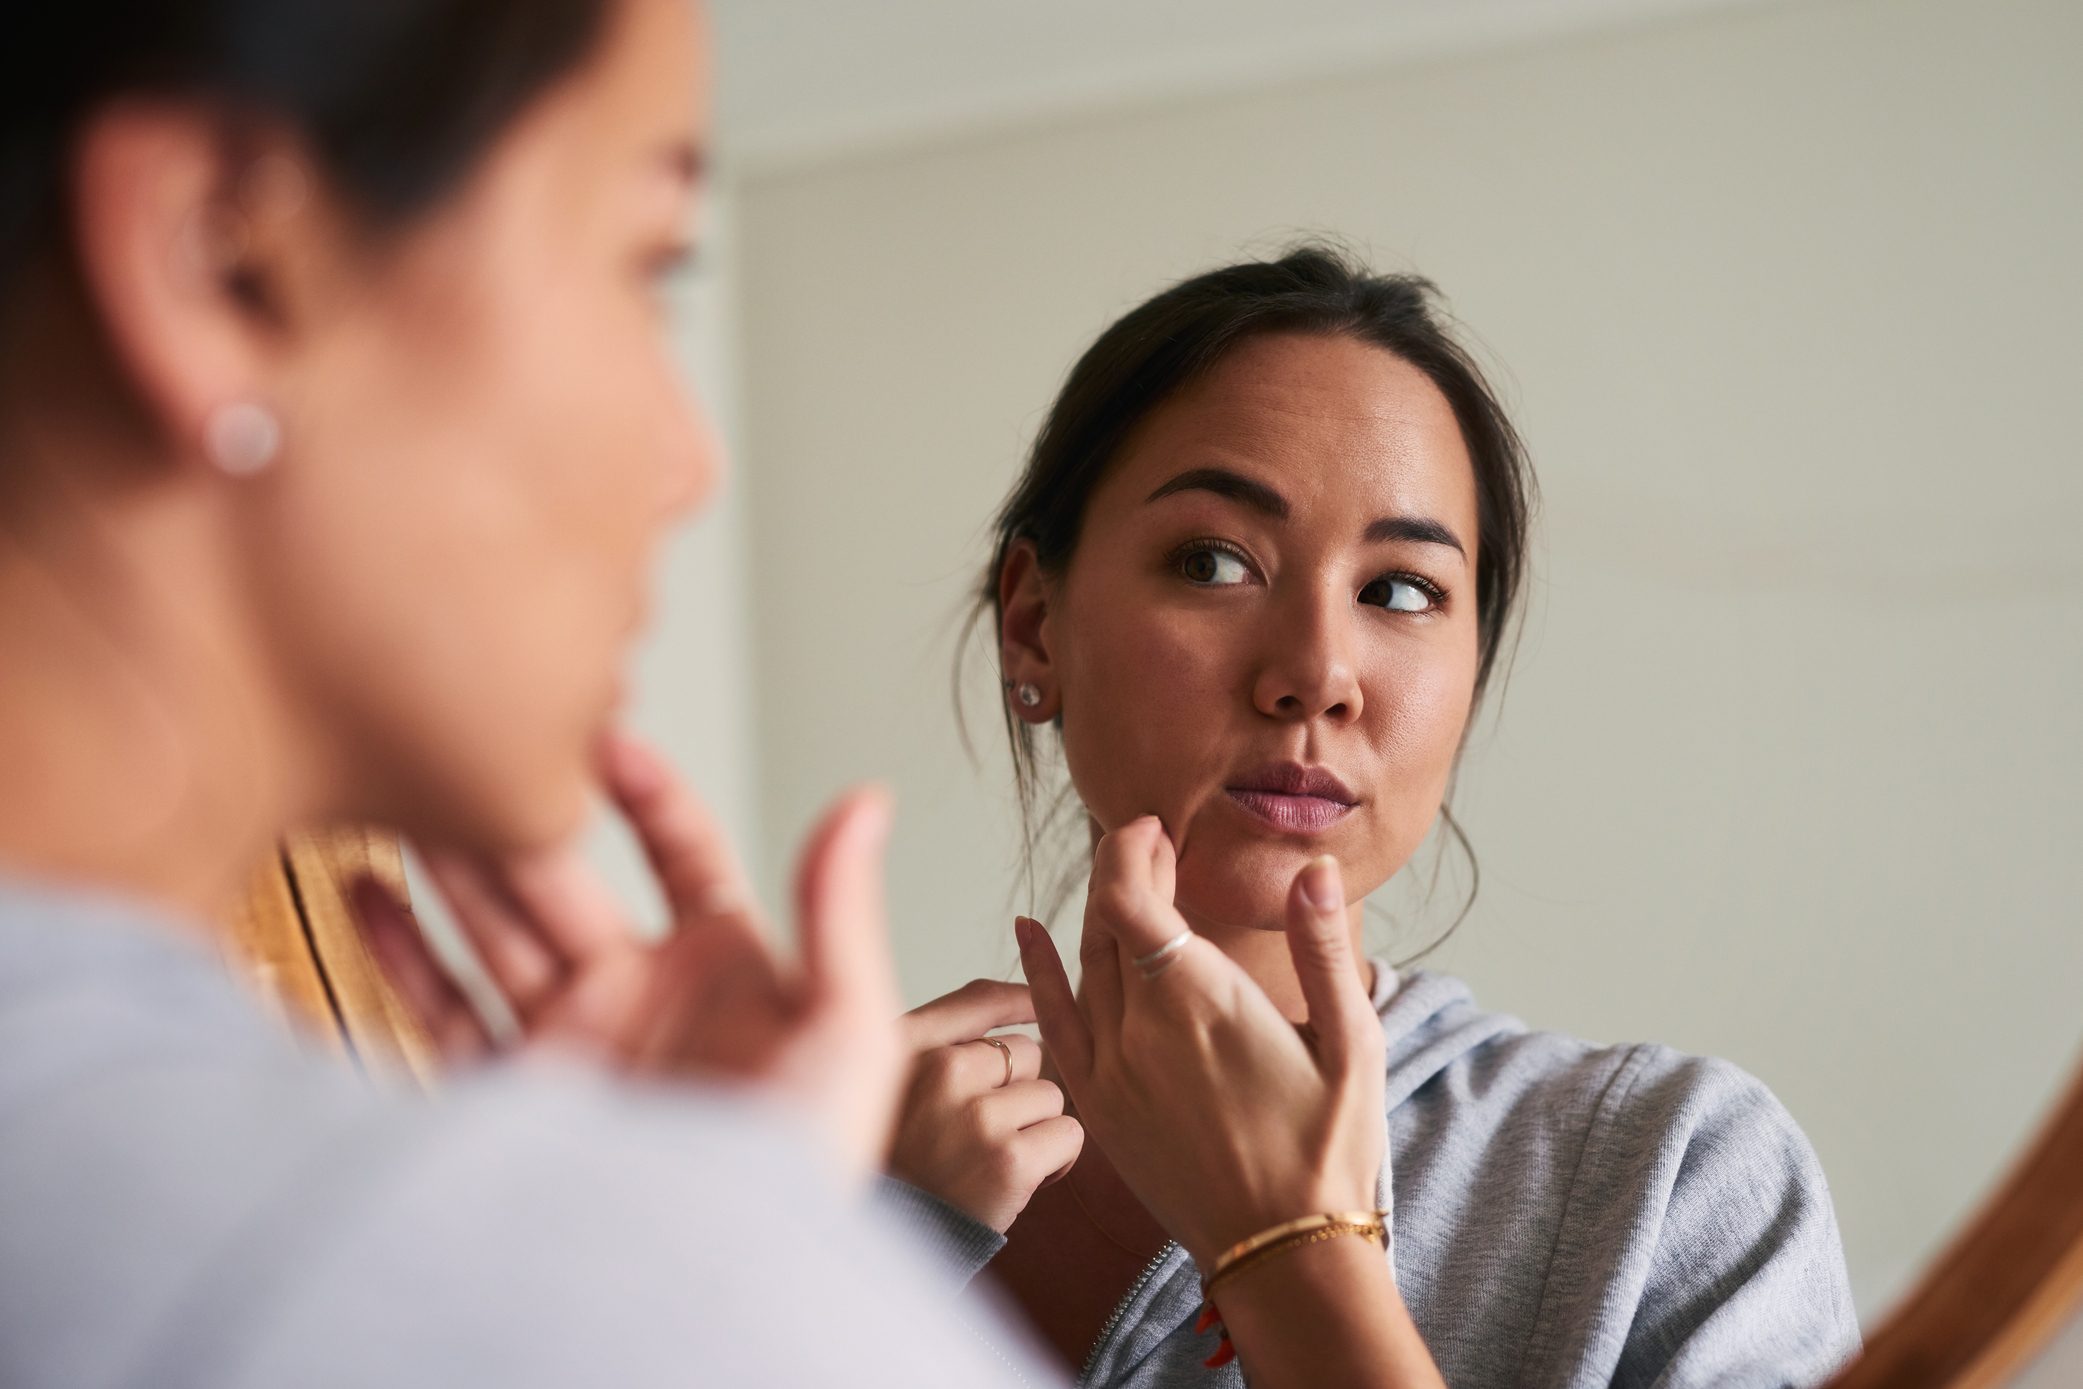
1418 705
1146 694
541 506
464 558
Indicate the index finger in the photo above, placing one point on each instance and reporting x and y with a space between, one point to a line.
1131 890
967 1013
686 848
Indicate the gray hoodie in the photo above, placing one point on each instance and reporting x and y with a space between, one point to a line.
1565 1215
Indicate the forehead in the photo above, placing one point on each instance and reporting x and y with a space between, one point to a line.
1329 421
648 75
641 93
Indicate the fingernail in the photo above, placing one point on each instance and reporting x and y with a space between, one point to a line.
1320 884
1023 932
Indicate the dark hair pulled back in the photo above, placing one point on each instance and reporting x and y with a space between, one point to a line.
396 98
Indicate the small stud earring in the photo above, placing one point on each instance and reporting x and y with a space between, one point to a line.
242 438
1027 693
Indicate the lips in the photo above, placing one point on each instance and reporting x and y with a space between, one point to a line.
1292 798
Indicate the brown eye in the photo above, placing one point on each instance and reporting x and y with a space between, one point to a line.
1398 594
1212 567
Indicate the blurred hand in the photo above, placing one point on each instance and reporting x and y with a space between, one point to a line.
712 1000
1221 1115
979 1128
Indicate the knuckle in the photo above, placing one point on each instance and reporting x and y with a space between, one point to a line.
977 1124
936 1071
1002 1166
1117 902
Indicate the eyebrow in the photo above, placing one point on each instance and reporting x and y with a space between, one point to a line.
1263 499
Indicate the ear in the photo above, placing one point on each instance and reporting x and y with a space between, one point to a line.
1023 632
173 236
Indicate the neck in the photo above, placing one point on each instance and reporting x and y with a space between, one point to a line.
140 751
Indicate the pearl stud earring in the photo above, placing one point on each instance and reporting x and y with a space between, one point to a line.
1028 694
242 438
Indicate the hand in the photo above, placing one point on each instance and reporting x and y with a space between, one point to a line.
712 1000
1221 1115
979 1140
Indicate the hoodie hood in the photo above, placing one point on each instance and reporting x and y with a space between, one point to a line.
1429 1021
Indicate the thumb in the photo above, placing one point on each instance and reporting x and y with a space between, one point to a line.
1319 938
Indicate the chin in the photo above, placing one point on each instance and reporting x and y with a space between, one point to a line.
553 809
520 807
1240 886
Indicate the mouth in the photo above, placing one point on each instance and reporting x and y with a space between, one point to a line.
1292 798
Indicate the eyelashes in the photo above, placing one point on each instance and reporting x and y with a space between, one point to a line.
1207 562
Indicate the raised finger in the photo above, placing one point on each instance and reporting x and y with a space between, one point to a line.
1319 938
969 1011
570 906
521 964
686 848
842 927
1057 1010
416 976
1131 889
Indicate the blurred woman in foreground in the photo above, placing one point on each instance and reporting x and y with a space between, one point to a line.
336 433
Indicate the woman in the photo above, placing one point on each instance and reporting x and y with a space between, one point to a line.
1253 582
336 429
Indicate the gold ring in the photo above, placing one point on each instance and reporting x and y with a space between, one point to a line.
1006 1052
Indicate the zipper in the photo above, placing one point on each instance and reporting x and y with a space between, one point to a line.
1135 1290
998 1350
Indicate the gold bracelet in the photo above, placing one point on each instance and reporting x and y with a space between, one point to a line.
1310 1229
1370 1229
1243 1248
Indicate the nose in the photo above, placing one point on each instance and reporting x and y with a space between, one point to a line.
1308 671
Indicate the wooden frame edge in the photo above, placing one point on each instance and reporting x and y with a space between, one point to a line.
2010 1280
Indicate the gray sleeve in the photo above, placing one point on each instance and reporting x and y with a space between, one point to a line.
1745 1280
957 1241
584 1242
247 1226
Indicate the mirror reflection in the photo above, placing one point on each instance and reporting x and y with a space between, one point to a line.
1780 767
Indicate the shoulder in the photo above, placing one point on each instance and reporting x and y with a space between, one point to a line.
1686 1224
1447 1053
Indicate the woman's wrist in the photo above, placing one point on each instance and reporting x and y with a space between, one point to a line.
1272 1242
1324 1314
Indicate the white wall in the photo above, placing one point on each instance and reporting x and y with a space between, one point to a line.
1787 300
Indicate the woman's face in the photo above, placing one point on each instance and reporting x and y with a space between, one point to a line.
1266 635
485 437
